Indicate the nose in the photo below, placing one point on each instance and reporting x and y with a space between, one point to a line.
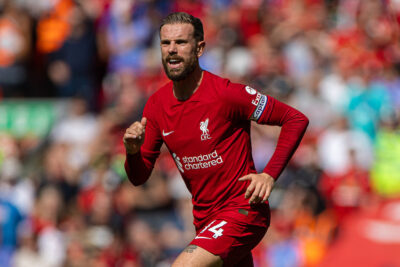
172 48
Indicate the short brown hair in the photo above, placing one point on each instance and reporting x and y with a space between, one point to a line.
182 17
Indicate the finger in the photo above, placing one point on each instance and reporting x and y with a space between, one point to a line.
128 136
267 193
261 195
136 125
131 134
134 134
249 190
140 128
143 122
135 130
254 196
245 178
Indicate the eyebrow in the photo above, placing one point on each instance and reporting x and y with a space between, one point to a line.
178 40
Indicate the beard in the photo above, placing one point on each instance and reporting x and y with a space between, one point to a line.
179 74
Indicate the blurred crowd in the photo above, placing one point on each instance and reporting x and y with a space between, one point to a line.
64 197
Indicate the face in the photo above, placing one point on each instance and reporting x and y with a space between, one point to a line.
180 50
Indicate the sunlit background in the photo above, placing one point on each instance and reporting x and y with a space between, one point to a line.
75 74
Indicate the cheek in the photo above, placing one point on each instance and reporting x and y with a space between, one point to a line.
164 52
187 51
189 54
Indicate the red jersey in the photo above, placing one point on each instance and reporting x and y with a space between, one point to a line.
208 135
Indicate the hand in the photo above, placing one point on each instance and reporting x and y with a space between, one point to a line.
259 188
134 136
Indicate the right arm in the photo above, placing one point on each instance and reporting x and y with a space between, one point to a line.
142 141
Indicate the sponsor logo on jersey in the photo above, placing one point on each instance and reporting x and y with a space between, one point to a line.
178 162
202 161
250 90
261 104
204 128
257 99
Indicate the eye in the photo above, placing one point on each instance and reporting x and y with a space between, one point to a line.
181 42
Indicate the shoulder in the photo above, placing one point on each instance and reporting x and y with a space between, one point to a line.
158 98
160 95
223 86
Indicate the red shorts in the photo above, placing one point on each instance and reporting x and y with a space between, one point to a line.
232 235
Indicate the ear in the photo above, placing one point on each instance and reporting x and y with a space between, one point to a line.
200 48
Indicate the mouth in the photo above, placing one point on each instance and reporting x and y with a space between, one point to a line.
174 63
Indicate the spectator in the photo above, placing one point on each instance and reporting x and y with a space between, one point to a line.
337 144
385 180
76 131
127 31
70 66
14 49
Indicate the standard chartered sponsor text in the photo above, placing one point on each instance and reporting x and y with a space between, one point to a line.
202 161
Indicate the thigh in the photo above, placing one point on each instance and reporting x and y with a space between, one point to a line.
230 239
195 256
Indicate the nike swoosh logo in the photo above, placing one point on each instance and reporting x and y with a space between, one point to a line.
166 134
202 237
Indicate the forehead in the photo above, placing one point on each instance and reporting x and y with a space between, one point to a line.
177 31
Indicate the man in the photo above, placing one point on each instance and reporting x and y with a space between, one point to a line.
204 120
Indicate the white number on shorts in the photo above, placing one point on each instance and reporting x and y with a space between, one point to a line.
217 232
205 228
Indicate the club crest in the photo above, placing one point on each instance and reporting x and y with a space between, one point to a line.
204 128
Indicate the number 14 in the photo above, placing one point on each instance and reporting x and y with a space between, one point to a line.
216 229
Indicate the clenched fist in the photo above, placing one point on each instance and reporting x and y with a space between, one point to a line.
134 136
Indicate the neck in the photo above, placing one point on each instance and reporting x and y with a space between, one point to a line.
185 88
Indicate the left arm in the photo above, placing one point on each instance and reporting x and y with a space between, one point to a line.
294 125
245 103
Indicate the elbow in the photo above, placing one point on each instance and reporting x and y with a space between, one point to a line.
137 177
136 182
306 121
300 120
134 179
